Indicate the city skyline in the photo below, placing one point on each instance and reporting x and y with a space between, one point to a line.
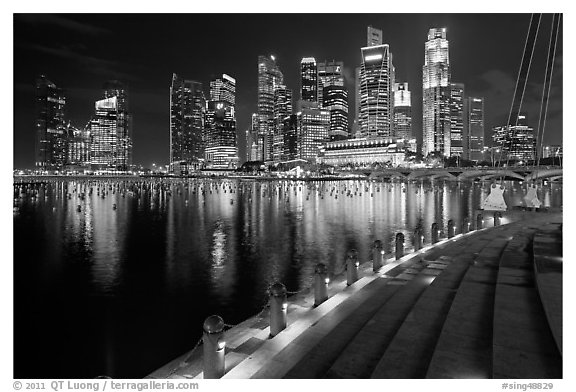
487 70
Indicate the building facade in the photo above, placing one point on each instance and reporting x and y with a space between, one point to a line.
78 148
123 155
436 94
516 142
104 134
402 111
475 139
290 135
282 109
187 107
456 119
313 130
309 80
269 77
51 134
221 150
361 152
333 96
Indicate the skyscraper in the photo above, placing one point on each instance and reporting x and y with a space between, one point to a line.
187 106
456 119
475 140
517 142
78 147
436 94
252 140
333 96
269 77
103 128
376 96
312 130
221 150
373 36
123 154
308 80
51 135
290 133
402 111
282 109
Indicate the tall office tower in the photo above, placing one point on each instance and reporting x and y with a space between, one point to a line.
269 77
517 142
475 139
103 128
78 147
51 134
252 152
333 96
123 153
436 94
221 150
187 106
456 119
308 80
373 36
282 109
376 95
290 133
402 111
313 130
356 124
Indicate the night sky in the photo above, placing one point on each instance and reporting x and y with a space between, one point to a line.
79 52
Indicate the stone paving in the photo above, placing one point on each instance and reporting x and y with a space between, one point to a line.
480 305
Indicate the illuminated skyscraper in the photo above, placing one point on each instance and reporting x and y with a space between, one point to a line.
373 36
456 119
282 109
78 148
51 135
475 140
123 154
402 111
517 142
221 150
104 152
376 95
333 96
436 94
269 77
313 130
290 133
309 80
252 140
187 106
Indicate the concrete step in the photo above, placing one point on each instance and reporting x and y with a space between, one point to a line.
359 358
523 345
464 348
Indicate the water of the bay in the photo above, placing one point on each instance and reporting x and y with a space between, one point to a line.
115 277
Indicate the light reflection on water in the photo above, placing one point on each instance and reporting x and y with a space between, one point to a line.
197 247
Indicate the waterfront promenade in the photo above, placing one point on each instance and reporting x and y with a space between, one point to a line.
486 304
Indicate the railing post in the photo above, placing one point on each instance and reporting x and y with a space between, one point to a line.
214 347
321 281
497 216
479 222
352 266
278 308
377 255
435 232
465 225
450 228
399 245
418 239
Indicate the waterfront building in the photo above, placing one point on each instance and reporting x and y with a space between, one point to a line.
552 151
356 123
475 139
269 77
436 94
78 148
376 91
221 151
252 151
187 107
282 109
456 119
516 142
308 80
363 152
402 111
333 96
123 148
103 128
51 135
313 130
290 137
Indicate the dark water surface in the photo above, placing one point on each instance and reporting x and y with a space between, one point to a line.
121 291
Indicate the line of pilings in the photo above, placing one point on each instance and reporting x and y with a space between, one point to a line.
213 338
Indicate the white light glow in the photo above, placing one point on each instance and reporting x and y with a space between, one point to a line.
373 57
